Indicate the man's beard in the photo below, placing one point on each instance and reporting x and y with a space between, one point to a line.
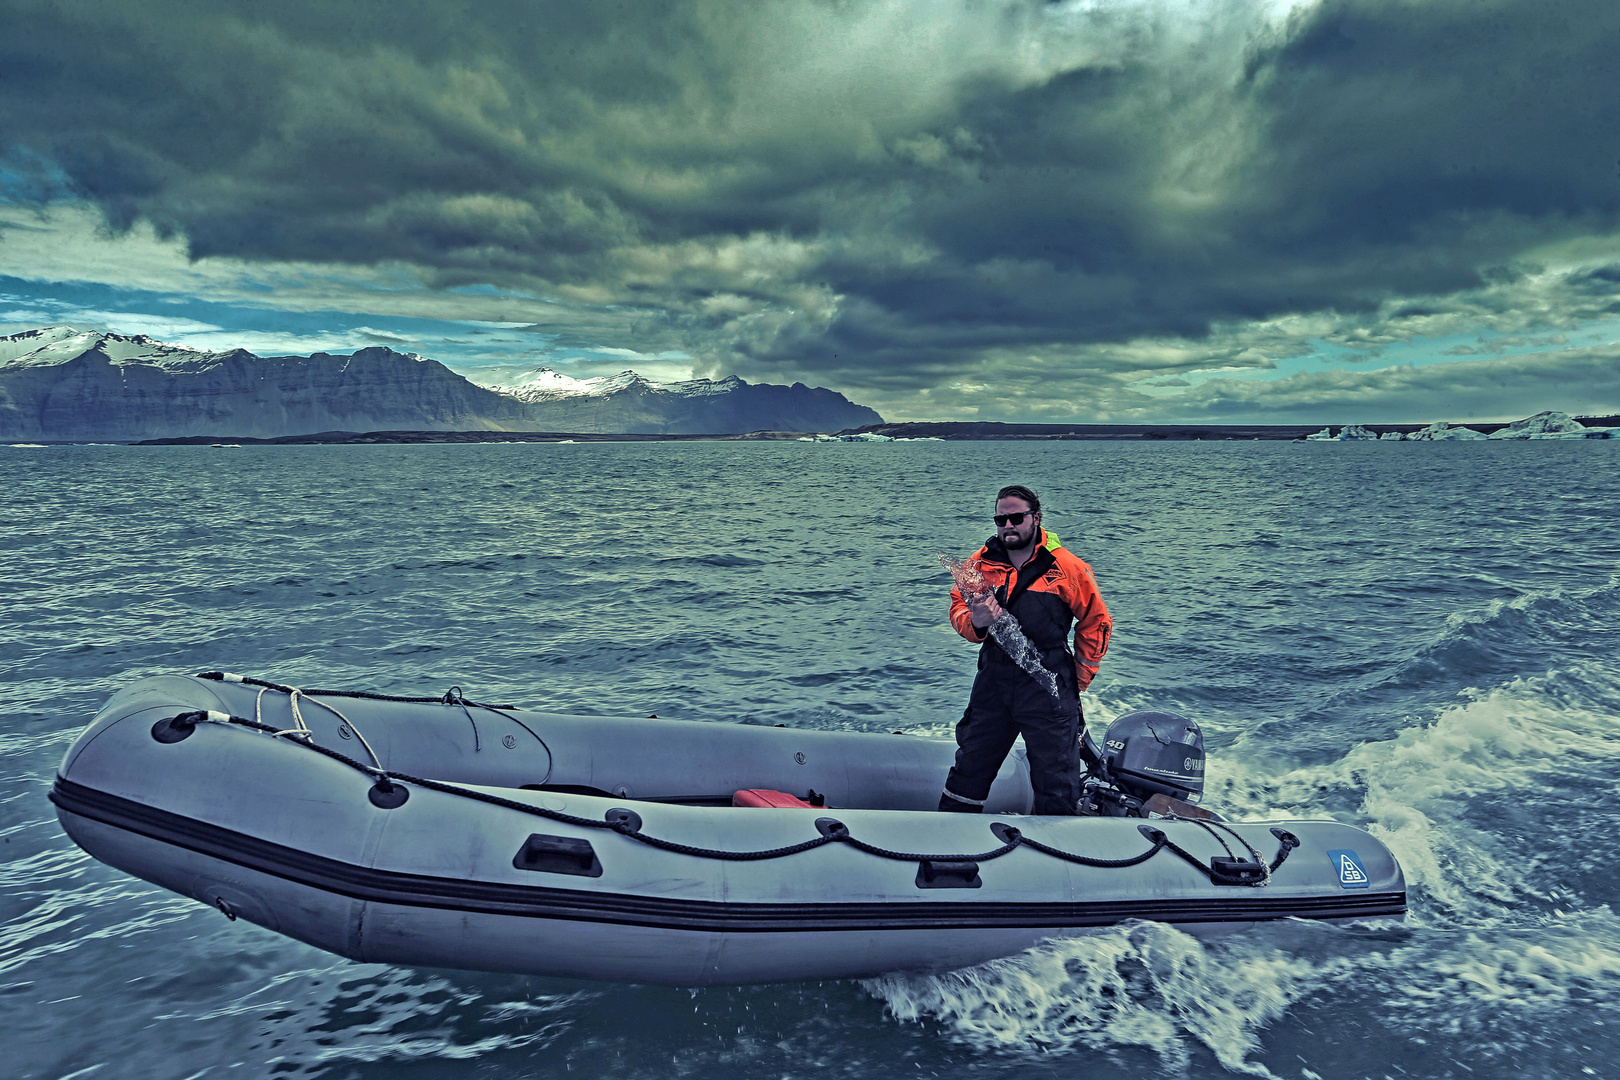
1019 538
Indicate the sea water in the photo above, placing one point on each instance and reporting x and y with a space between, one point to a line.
1417 639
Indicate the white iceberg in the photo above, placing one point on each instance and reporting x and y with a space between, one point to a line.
1391 436
1355 433
1543 425
1325 435
1442 430
1551 425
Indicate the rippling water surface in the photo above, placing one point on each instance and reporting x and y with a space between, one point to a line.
1418 639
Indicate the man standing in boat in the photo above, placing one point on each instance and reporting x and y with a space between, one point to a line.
1046 589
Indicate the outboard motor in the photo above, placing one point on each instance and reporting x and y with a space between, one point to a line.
1150 762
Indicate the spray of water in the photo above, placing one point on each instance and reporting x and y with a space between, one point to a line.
1005 630
1142 984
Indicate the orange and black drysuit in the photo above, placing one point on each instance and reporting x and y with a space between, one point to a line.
1053 590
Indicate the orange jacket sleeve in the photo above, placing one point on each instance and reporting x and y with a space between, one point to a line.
1092 624
962 618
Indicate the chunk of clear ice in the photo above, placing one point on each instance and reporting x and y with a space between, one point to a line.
1008 634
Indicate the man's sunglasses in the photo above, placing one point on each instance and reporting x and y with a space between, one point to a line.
1010 519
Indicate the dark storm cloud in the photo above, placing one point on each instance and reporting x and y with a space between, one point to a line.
1577 381
877 195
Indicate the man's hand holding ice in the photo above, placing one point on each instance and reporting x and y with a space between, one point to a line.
983 607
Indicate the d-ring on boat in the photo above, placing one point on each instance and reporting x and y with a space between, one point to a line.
446 832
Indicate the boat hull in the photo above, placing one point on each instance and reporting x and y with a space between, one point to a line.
269 830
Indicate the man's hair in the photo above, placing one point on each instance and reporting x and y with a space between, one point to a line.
1019 491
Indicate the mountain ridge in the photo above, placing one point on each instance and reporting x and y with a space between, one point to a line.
60 384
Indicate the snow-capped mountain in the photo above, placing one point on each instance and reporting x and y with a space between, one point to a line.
53 345
62 384
628 402
544 384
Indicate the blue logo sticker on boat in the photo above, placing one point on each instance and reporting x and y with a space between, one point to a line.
1352 875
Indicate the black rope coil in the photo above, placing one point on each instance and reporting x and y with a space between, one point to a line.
627 823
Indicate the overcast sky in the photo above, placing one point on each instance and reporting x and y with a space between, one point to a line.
1284 211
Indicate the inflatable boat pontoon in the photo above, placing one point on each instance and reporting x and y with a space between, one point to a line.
445 832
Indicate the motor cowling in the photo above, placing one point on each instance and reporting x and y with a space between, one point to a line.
1148 753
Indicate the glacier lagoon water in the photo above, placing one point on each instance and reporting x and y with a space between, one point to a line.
1420 639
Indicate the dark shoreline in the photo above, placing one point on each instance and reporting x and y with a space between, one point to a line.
367 438
953 431
963 430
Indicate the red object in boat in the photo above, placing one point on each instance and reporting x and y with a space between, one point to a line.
765 797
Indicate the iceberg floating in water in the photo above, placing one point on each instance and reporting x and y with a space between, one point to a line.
1544 425
1442 430
1349 433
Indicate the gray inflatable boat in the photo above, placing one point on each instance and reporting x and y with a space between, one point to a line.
445 832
